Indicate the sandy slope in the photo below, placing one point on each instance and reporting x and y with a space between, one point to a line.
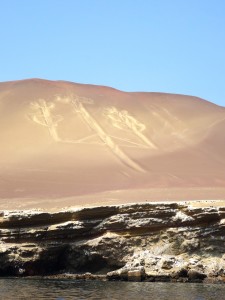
64 144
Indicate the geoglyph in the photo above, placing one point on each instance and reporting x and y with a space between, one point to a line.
43 114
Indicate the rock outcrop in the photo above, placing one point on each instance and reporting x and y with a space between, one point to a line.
152 241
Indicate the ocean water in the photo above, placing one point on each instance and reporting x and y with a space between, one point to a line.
72 289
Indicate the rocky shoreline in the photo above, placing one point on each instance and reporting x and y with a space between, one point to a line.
166 241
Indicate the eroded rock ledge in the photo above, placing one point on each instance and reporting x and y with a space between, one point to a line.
151 241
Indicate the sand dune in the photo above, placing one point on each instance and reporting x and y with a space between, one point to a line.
65 144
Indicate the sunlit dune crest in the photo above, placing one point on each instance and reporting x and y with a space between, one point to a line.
67 144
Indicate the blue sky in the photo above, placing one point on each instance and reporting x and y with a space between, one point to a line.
173 46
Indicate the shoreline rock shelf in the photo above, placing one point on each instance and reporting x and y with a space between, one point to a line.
166 241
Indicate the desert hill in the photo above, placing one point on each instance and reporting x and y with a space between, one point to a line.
66 144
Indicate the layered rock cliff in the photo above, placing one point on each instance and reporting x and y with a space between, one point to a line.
152 241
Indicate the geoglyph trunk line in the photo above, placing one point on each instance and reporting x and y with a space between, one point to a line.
104 137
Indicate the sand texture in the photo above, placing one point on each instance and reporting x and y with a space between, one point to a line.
65 144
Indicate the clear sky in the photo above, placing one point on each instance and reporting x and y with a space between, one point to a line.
175 46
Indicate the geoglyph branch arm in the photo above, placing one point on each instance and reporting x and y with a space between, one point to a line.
123 120
44 117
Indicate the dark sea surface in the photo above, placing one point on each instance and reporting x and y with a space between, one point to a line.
71 289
